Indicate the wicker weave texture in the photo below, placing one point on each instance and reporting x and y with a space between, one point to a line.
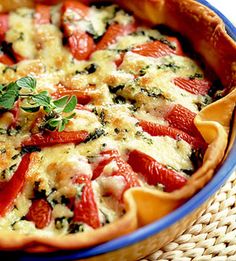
212 236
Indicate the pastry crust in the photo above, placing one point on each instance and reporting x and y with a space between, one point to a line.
219 51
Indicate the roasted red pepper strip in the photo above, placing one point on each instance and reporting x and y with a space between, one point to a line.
155 172
195 86
108 157
124 169
82 98
127 173
160 130
42 15
3 26
75 6
15 112
5 59
40 212
82 107
113 32
182 119
18 57
55 137
157 48
81 45
85 208
10 189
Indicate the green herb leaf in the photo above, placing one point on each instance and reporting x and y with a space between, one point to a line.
42 99
54 118
53 122
70 116
61 102
71 104
1 87
27 82
62 125
8 99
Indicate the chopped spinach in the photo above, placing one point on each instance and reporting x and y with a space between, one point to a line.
143 71
142 135
95 135
13 167
60 222
30 149
196 158
65 200
170 65
119 99
117 130
91 68
38 193
155 93
75 227
2 151
196 75
170 44
15 156
13 68
106 217
116 88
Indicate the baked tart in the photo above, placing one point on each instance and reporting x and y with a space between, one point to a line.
112 116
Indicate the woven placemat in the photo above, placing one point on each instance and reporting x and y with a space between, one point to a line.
212 236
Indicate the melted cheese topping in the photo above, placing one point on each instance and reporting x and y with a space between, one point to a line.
119 99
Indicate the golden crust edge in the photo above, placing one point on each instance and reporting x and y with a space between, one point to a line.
134 198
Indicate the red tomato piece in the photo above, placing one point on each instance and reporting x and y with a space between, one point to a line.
40 212
10 189
81 45
5 59
113 32
154 172
82 98
3 26
42 15
55 137
182 119
195 86
75 6
85 208
157 48
160 130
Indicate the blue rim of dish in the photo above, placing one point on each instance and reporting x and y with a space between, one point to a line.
196 201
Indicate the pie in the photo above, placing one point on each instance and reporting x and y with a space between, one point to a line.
112 116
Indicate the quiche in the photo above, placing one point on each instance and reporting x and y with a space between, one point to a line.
111 116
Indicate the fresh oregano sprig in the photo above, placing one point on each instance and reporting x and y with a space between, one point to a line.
25 88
